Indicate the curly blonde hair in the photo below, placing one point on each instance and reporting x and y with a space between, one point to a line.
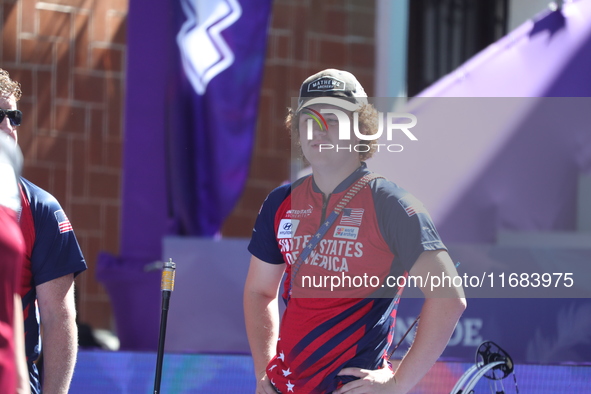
8 87
368 125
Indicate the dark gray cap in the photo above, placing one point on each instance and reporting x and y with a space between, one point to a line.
334 87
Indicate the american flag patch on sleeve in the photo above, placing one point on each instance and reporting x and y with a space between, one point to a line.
62 221
411 205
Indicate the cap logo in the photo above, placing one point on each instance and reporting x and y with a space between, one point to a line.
325 84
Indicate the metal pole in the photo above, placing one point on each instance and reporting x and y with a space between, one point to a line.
167 286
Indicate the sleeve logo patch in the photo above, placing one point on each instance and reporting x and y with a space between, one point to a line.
412 205
62 221
287 228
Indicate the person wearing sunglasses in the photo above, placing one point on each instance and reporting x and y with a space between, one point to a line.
52 260
13 115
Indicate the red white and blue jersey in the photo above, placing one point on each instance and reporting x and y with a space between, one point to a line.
381 233
52 251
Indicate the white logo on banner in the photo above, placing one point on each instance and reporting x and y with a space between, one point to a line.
204 53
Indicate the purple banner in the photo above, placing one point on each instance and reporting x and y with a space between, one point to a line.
193 84
212 109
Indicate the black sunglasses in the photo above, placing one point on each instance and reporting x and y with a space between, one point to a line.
14 115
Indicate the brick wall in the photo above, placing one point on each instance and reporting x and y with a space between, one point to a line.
69 57
306 36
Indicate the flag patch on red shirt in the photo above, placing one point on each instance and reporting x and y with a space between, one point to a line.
352 217
62 221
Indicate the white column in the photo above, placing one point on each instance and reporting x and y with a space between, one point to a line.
391 45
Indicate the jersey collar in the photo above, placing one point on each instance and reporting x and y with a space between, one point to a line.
346 184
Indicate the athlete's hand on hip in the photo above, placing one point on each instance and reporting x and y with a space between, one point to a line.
370 382
264 386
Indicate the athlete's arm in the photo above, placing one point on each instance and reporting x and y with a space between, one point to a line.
23 387
60 335
440 313
261 315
